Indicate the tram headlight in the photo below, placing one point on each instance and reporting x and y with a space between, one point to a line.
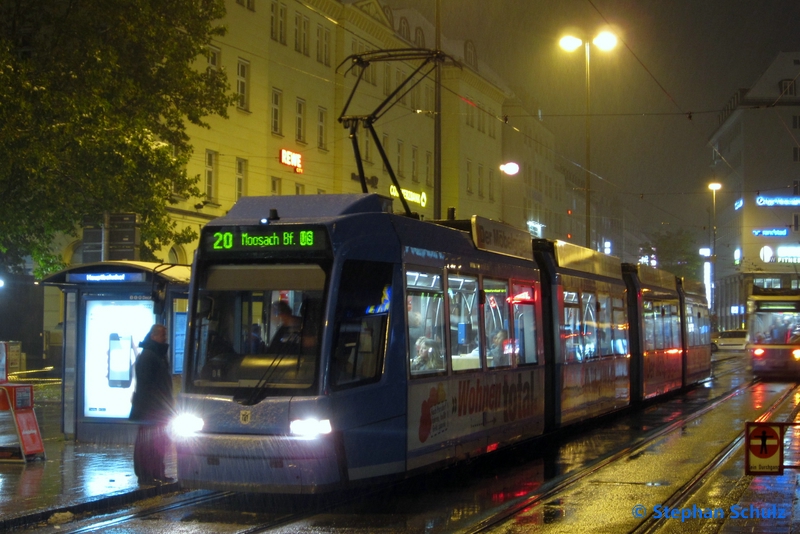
758 353
186 425
796 354
310 428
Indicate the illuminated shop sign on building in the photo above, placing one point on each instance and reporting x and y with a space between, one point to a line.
782 254
772 232
410 196
292 159
738 204
777 201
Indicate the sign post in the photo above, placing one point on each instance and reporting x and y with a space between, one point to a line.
764 449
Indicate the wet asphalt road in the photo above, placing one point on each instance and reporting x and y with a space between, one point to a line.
454 500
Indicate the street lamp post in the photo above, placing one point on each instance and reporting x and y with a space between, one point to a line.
604 41
714 188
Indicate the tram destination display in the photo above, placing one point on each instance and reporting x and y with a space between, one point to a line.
264 238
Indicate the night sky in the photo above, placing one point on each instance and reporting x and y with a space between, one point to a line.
678 56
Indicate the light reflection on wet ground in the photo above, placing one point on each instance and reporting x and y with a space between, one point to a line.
441 502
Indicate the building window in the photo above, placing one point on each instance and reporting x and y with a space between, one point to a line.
419 38
275 115
241 177
322 128
300 130
211 174
278 21
276 186
470 111
387 79
242 85
429 101
401 153
480 180
795 121
788 88
470 57
405 31
399 77
299 189
796 222
367 148
251 4
469 176
796 187
767 283
414 164
214 58
385 143
323 45
428 168
414 95
490 185
796 153
492 124
301 34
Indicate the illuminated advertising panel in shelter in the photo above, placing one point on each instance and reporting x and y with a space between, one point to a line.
266 238
114 329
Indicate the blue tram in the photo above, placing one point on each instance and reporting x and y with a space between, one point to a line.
333 343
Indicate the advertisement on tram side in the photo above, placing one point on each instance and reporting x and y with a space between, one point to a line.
450 408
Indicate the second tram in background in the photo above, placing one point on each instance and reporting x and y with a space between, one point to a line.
333 343
774 332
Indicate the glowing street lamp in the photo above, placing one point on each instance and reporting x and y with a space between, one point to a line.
509 168
605 41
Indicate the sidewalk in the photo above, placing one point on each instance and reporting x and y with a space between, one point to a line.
76 478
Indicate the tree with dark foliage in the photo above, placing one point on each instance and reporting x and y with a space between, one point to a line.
94 99
677 252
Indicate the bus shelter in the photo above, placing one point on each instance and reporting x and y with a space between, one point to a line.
108 308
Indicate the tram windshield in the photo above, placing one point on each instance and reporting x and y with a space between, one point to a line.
775 327
256 329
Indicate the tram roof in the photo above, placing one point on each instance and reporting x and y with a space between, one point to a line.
251 210
169 272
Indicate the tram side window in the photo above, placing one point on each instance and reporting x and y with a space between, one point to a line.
360 323
462 292
589 303
620 327
705 322
526 344
499 346
649 325
425 313
692 322
675 325
604 325
571 329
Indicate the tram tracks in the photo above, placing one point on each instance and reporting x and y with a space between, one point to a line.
680 498
287 520
553 488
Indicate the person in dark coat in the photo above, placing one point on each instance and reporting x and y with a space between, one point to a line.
152 407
